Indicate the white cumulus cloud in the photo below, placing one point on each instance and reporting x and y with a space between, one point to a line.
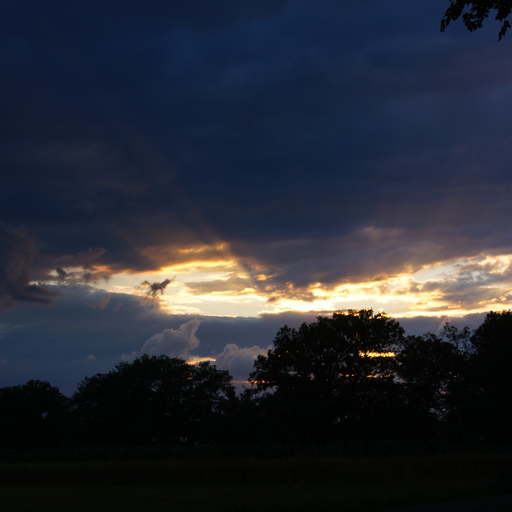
170 342
239 361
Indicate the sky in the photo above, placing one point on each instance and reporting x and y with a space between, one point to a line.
185 178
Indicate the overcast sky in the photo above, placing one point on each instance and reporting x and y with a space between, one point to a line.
187 177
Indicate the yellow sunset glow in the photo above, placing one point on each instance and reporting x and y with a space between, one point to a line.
199 266
204 248
377 354
210 280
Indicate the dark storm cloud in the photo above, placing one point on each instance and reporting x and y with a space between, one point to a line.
87 274
61 274
18 254
325 141
232 283
71 20
152 289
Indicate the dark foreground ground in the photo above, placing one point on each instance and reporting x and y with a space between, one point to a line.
231 499
449 483
493 504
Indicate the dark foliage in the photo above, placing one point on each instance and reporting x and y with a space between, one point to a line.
474 13
484 407
153 400
327 379
33 415
430 367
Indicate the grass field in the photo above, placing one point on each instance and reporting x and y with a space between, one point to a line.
250 484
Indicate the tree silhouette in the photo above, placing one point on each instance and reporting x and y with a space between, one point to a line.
328 375
32 415
484 408
152 399
350 376
475 12
430 367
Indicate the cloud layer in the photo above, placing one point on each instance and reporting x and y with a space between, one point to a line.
321 142
284 155
18 255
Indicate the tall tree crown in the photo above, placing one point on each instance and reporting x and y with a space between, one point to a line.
474 13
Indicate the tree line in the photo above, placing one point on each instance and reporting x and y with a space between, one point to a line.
353 376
